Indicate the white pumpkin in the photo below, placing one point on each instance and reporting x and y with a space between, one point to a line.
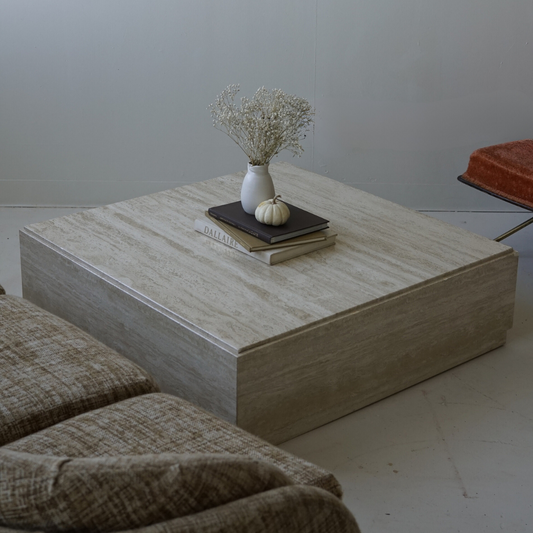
272 212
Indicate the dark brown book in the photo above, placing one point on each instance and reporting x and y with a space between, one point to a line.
253 244
300 222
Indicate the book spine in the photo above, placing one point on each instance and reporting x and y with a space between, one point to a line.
229 230
259 235
214 232
296 251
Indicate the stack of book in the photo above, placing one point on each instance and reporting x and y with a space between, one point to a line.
304 232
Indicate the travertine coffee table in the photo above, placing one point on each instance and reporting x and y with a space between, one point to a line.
278 350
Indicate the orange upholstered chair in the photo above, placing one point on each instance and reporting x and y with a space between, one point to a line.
505 171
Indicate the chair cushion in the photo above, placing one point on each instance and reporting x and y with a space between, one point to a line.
161 423
505 170
118 493
51 371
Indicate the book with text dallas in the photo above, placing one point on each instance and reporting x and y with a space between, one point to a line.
271 254
300 222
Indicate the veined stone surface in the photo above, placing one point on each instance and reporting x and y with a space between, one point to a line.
219 323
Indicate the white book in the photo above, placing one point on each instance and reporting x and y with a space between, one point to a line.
270 257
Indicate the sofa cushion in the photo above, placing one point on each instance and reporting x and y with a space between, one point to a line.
292 509
51 371
117 493
160 423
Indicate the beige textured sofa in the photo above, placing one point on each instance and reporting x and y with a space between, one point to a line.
88 443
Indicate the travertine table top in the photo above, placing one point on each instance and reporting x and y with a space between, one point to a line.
148 247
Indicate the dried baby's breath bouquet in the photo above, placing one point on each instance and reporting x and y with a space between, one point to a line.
270 122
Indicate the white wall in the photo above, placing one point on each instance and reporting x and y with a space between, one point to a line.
103 100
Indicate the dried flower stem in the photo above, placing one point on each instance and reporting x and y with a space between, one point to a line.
262 127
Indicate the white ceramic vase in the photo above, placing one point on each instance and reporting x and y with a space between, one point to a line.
257 187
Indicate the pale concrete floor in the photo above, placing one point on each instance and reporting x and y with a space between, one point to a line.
452 454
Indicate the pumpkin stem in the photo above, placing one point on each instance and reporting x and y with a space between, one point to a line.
275 198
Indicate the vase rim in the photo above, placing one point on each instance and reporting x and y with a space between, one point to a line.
252 166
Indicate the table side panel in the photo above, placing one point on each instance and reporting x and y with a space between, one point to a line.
309 379
182 362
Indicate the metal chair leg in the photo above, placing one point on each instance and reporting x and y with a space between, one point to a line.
514 230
